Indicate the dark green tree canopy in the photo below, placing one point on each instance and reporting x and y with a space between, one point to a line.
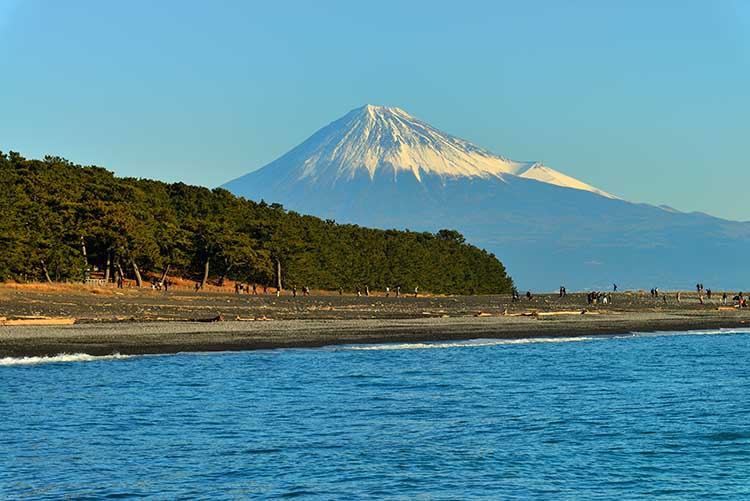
53 209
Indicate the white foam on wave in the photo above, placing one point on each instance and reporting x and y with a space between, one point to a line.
704 332
62 357
720 332
474 343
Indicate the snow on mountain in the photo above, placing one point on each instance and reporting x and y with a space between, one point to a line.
381 139
544 174
377 137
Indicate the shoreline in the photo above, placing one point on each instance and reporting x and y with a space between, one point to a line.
133 322
142 338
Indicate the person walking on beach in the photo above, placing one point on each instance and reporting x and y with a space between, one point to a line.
367 290
387 291
614 287
398 290
724 299
294 291
255 289
416 291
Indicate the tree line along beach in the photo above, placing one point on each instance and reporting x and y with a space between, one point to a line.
68 223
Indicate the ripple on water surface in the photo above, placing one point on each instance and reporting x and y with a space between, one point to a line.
655 416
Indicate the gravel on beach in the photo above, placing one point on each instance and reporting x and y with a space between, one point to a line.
143 321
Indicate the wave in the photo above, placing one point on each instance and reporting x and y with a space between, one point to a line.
474 343
697 332
477 343
62 357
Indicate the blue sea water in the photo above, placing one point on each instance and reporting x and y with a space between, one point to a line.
662 416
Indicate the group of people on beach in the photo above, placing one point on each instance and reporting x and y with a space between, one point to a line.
305 290
164 285
700 289
516 297
596 297
254 289
239 288
386 291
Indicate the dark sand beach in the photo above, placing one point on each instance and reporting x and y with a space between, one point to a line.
130 321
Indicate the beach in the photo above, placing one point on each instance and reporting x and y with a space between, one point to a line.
142 321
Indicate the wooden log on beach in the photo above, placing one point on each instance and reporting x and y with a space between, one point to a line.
217 318
262 318
557 313
37 321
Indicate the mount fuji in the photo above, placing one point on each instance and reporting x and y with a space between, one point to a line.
379 166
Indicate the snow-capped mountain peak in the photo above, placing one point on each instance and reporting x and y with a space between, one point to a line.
388 140
381 137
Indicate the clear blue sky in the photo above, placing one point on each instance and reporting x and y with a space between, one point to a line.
647 100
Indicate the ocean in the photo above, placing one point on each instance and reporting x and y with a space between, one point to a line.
657 416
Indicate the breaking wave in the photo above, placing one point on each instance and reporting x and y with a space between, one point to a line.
475 343
62 357
697 332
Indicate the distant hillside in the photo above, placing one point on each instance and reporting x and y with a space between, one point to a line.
61 221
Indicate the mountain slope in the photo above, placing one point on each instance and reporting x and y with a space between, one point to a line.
540 172
373 139
381 167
